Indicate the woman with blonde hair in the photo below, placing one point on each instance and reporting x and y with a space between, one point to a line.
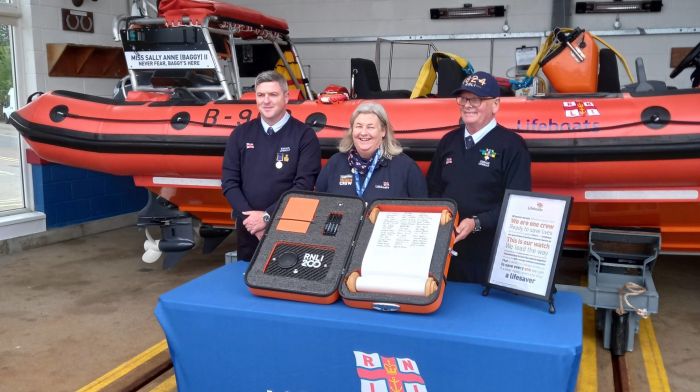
371 164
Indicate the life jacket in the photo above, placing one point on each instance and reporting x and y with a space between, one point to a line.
428 73
281 69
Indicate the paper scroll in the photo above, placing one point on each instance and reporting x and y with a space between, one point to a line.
399 253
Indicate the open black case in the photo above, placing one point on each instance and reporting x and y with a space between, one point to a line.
313 248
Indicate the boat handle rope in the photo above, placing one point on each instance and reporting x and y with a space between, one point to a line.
631 289
335 127
229 126
34 95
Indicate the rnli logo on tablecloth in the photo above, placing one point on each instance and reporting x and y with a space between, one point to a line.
249 146
383 185
345 179
486 155
580 109
388 374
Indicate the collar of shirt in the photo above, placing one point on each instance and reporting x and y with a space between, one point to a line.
276 127
481 133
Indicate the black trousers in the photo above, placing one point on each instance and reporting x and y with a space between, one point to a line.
246 242
474 260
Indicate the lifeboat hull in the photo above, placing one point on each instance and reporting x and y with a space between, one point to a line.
628 161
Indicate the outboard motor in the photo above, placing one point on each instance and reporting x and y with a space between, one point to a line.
177 233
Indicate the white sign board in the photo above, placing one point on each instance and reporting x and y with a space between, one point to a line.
176 59
528 244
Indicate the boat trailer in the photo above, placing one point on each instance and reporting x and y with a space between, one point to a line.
620 283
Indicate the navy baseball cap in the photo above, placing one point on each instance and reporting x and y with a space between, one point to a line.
481 84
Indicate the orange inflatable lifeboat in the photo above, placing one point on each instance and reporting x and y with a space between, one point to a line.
629 158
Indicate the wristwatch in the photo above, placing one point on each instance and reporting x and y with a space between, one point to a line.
477 224
266 217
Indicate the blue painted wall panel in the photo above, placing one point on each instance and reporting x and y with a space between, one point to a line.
70 196
87 188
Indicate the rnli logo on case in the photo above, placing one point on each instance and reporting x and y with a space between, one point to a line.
312 260
486 155
249 146
389 374
580 109
345 179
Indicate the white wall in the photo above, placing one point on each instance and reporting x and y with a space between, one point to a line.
41 24
330 63
361 18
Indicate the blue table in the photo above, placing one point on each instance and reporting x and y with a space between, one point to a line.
222 338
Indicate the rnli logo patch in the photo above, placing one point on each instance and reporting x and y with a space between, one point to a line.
249 146
345 180
384 185
390 374
448 161
580 109
487 154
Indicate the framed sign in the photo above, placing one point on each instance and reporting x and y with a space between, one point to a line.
528 242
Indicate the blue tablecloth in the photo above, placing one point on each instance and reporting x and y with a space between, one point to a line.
222 338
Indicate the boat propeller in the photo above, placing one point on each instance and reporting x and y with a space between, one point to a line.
150 246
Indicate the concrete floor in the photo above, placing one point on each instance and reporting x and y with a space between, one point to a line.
678 322
74 310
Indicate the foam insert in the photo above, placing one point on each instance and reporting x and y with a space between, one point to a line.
321 258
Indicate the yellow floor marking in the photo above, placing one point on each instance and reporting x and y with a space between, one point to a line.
169 385
653 362
125 367
588 370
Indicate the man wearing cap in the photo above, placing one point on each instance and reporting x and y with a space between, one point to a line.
474 165
264 158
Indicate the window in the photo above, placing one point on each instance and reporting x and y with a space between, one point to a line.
11 173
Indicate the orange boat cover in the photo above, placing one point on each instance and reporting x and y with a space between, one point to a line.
197 10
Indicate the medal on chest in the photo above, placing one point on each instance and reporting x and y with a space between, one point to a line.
279 159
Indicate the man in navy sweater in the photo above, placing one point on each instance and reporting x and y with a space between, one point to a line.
265 158
474 165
